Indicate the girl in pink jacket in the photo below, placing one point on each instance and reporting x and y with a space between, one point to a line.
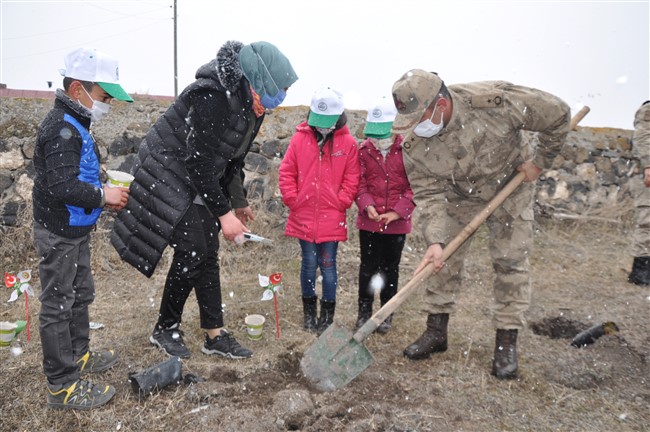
318 179
385 202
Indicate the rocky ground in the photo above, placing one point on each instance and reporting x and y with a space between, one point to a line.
579 271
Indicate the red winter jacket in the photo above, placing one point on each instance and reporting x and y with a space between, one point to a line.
318 189
385 186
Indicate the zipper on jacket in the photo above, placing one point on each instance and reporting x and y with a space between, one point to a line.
318 186
383 168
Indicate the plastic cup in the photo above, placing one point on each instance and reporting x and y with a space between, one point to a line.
118 179
7 333
254 325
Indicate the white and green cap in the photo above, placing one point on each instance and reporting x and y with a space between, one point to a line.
90 65
326 108
380 118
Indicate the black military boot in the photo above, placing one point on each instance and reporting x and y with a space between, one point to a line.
640 273
326 317
504 365
365 312
434 338
309 310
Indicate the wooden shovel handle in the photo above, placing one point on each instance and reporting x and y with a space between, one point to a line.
383 313
579 116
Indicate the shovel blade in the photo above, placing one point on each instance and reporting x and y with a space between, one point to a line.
335 359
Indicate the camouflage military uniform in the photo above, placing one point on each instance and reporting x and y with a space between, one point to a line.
456 173
641 193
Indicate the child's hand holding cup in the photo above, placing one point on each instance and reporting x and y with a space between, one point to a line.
116 190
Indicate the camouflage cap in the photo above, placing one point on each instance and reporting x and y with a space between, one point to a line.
413 93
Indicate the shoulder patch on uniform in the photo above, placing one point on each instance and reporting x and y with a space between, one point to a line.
646 116
491 100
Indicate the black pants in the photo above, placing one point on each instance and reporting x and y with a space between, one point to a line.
380 254
195 265
67 290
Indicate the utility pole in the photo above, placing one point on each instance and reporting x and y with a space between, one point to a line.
175 56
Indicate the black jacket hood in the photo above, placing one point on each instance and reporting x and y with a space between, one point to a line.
225 69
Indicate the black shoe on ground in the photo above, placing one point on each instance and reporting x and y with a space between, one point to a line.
365 312
170 340
640 274
225 345
97 361
80 394
386 325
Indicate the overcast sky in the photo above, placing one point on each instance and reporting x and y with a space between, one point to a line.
593 53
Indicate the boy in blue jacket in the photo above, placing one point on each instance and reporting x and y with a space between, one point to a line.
68 199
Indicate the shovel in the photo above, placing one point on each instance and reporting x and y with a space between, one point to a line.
338 356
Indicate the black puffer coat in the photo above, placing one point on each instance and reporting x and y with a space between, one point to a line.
197 147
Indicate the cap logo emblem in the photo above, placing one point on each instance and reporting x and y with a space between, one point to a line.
322 106
117 74
376 113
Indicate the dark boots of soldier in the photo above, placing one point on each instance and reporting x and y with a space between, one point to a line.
326 317
365 312
309 310
434 338
640 273
504 365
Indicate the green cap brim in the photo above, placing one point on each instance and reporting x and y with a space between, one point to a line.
322 121
115 91
378 130
384 136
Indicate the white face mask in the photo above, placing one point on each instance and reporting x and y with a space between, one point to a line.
428 128
383 144
98 110
324 131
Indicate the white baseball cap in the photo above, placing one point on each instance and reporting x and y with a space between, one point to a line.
326 108
90 65
380 118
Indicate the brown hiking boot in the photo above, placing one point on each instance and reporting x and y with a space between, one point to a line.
434 338
504 365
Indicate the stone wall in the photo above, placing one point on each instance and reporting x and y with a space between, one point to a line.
592 171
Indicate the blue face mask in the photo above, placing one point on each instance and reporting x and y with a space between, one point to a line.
269 102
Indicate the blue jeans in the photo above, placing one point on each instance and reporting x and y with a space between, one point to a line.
322 255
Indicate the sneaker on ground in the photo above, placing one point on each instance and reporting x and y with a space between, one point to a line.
80 394
171 341
97 361
225 345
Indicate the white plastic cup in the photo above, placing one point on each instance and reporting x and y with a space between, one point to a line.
7 333
118 179
254 325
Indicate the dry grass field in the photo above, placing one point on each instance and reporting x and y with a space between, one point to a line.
579 279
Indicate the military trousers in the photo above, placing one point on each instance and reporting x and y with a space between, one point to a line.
510 243
641 235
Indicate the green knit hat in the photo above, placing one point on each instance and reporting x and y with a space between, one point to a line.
266 68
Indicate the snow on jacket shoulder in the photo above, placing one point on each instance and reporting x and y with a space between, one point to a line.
319 188
384 185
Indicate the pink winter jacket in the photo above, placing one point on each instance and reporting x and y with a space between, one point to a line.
318 189
384 185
